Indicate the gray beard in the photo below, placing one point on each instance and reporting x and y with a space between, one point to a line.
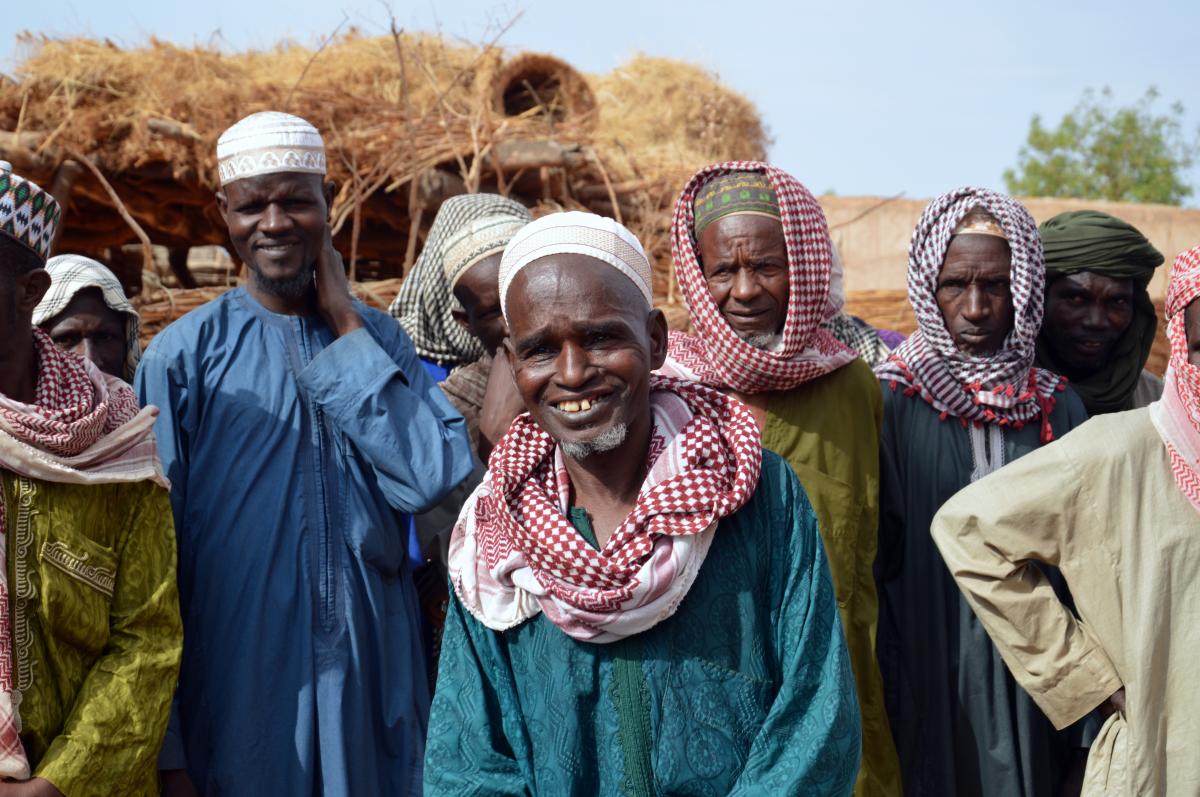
292 288
607 440
760 340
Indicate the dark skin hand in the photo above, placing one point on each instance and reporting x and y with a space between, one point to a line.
177 783
974 293
744 260
502 403
279 226
478 291
92 329
582 344
1086 314
34 787
23 283
1191 325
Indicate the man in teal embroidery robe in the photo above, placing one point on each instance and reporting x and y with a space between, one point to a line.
635 609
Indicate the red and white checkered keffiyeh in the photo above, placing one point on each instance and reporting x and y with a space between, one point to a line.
515 552
715 355
1003 388
83 427
1176 415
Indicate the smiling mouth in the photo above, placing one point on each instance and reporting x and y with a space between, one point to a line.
277 249
580 408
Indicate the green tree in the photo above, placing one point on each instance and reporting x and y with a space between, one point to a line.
1130 154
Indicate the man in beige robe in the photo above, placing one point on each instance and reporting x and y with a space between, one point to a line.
1115 505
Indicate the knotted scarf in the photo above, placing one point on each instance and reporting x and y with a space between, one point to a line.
1176 415
514 551
715 355
83 427
1003 388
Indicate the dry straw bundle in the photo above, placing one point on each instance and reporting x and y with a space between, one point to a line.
127 136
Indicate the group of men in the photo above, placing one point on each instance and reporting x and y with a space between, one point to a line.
772 556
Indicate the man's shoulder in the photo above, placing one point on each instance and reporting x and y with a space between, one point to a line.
384 328
185 332
1112 435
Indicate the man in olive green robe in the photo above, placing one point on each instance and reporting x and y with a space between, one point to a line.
90 635
753 255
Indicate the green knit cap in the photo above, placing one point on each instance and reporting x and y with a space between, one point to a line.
736 192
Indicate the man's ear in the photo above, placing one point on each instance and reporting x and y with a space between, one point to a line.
330 191
32 286
223 207
656 326
460 315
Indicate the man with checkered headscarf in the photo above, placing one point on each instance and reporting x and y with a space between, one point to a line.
90 635
641 604
961 398
753 254
1115 506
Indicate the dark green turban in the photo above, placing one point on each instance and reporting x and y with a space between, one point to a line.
1088 240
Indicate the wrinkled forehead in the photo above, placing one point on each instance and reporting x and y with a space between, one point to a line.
571 287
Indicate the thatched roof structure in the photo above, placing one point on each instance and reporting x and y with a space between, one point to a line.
126 137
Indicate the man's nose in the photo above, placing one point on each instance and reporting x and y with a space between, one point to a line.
86 349
1094 318
572 366
976 307
274 220
745 286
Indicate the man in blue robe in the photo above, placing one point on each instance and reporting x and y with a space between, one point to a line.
298 429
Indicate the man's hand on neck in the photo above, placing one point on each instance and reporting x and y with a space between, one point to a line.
333 291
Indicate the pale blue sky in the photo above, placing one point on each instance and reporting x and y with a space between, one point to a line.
862 98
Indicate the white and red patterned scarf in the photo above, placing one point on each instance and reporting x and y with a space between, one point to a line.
515 552
1003 388
1176 415
715 355
83 427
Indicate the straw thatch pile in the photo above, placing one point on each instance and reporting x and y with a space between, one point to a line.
127 137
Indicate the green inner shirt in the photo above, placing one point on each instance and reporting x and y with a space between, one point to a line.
628 691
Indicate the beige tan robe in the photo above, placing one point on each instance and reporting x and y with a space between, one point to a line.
1102 506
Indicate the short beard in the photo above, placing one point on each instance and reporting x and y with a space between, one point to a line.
294 287
606 441
760 340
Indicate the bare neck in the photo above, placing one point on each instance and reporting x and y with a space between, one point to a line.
18 369
607 484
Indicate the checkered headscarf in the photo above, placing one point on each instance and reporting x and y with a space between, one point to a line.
424 303
70 274
1003 388
1176 415
715 355
515 553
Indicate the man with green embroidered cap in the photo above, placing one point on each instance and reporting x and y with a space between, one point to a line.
757 266
1100 322
90 635
641 603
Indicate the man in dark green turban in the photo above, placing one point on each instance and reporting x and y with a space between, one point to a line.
1100 322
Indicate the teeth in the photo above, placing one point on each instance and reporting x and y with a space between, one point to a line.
569 406
585 405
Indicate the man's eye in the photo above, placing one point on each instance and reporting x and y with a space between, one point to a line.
66 341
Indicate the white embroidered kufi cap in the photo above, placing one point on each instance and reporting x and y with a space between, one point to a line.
269 142
576 232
